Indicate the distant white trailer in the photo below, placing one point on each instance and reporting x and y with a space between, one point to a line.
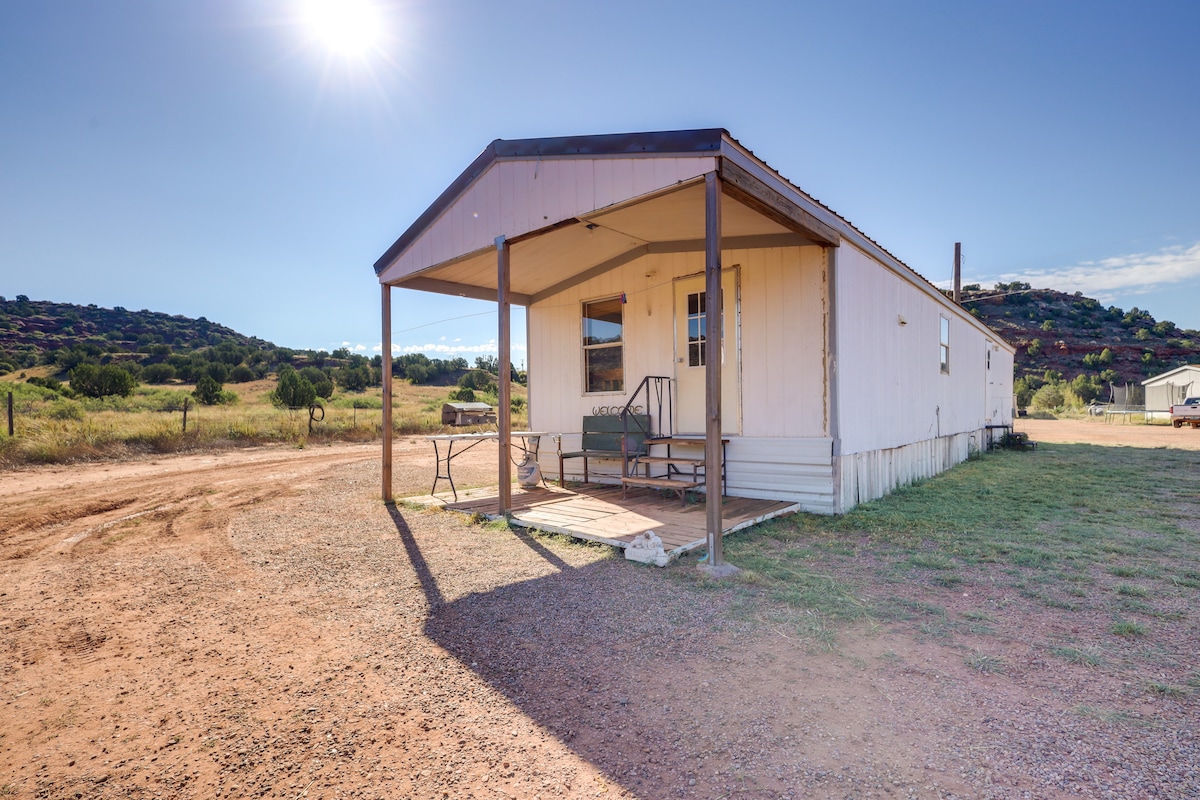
1169 389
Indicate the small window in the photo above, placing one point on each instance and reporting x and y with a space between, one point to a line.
696 329
945 345
603 349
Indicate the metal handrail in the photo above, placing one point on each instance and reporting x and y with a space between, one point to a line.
656 387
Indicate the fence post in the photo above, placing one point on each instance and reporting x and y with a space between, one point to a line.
185 407
10 415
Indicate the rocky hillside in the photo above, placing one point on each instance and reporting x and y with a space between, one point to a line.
1075 335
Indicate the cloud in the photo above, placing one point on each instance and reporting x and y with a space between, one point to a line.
1138 273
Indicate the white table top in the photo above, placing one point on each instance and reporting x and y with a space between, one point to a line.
446 437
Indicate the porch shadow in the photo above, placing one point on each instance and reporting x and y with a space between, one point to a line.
601 657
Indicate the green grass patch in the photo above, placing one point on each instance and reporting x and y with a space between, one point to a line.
1074 655
1127 629
1047 525
932 561
982 662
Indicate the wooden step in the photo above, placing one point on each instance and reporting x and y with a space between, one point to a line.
660 483
691 462
682 441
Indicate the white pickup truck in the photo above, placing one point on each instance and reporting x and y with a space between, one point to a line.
1188 411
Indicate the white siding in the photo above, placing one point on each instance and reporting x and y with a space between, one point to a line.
783 341
785 452
892 391
771 468
1160 388
798 470
516 197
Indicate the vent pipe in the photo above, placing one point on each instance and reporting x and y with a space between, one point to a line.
957 272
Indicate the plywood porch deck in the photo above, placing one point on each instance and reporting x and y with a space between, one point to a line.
599 514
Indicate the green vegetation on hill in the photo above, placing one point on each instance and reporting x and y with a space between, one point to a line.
1071 349
90 382
156 348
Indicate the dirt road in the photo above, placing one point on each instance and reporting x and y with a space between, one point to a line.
1114 434
258 624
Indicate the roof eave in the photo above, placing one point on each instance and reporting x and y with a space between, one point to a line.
702 140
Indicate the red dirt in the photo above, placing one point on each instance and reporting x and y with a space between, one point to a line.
257 623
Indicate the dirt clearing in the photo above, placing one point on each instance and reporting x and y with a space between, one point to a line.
258 624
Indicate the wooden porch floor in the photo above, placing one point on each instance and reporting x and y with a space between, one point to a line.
599 514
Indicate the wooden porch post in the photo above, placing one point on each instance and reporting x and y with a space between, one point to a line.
714 321
504 412
386 377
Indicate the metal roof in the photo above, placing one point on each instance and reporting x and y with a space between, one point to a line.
823 225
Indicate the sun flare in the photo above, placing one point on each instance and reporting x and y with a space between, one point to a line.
349 28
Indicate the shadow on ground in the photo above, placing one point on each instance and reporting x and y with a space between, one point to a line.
616 661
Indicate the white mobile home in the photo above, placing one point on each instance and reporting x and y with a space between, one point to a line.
1171 388
841 374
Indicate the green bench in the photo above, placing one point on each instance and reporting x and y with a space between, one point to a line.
602 439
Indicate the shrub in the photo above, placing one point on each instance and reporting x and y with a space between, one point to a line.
46 383
293 390
241 374
1047 398
65 410
91 380
208 391
354 379
320 381
158 373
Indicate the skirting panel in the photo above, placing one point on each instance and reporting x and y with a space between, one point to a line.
765 468
871 475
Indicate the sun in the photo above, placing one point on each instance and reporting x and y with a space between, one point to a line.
348 28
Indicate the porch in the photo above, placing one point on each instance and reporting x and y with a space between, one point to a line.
598 513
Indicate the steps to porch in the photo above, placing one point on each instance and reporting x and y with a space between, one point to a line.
682 472
636 435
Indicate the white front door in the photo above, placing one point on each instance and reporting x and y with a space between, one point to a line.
692 352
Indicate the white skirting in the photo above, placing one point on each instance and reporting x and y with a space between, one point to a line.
871 475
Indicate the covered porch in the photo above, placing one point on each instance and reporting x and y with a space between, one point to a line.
531 222
598 513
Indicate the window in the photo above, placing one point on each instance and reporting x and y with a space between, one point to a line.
603 350
945 345
696 329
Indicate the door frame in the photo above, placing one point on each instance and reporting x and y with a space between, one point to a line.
731 419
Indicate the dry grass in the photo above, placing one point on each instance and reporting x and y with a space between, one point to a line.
51 429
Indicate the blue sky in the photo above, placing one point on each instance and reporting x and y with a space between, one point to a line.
225 159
